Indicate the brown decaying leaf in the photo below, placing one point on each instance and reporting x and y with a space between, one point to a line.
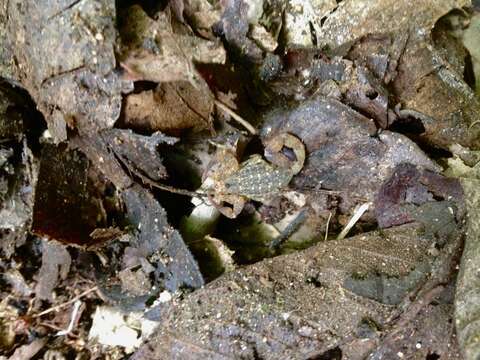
171 107
344 153
18 170
426 81
28 351
153 50
64 58
69 198
468 285
410 187
296 306
169 56
55 266
151 237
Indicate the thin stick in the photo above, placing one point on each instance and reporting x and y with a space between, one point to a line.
73 319
328 223
356 216
146 180
172 189
473 124
236 117
289 230
60 306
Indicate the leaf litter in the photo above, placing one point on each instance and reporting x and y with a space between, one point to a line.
135 217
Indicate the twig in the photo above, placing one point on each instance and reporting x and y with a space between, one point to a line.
416 307
236 117
171 188
400 324
73 319
61 306
148 181
473 124
326 226
356 216
289 230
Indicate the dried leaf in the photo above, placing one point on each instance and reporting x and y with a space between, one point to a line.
28 351
427 80
64 58
55 265
266 310
153 51
355 19
176 267
153 243
343 153
472 43
70 201
468 286
139 152
203 14
171 107
411 193
18 172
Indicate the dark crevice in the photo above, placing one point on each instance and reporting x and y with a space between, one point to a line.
226 204
256 355
413 128
332 354
366 114
289 153
408 125
438 197
234 233
151 7
372 95
432 356
34 123
176 206
254 146
434 152
314 281
468 73
140 86
313 34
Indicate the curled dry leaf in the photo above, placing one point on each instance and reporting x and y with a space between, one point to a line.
152 50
